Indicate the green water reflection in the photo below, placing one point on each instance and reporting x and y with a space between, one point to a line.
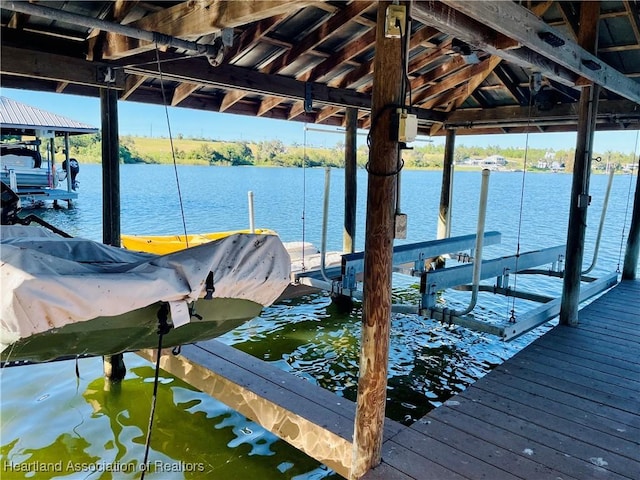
104 430
50 418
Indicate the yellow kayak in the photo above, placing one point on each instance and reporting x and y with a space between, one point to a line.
163 244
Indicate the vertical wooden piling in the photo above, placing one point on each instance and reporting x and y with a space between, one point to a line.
113 366
376 308
446 192
588 109
629 270
350 181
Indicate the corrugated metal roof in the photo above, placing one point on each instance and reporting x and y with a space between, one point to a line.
19 117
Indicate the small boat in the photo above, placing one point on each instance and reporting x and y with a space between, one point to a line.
21 166
70 296
163 244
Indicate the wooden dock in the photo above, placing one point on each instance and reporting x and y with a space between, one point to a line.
566 407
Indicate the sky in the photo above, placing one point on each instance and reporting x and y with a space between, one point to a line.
141 119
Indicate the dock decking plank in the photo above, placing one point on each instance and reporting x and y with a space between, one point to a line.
456 460
528 357
586 361
477 445
517 442
571 381
567 406
493 406
584 412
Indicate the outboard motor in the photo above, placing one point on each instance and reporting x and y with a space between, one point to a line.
74 169
9 206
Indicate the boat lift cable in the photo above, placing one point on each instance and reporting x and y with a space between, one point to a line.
173 151
512 312
626 210
163 329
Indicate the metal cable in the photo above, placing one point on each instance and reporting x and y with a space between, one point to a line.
173 152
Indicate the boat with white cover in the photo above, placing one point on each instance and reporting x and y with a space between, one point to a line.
72 296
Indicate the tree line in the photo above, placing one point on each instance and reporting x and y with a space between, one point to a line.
145 150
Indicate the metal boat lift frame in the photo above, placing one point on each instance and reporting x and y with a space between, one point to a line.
412 259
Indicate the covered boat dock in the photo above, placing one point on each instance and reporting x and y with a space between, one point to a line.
398 69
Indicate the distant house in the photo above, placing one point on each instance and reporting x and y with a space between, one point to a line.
542 165
494 161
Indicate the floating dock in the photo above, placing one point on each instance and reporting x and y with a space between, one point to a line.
564 407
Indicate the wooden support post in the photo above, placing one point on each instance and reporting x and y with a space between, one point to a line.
67 156
588 109
629 271
350 181
114 368
376 306
446 193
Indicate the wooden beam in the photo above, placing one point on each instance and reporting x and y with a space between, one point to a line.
630 265
510 116
61 86
251 36
367 67
59 68
326 112
429 95
18 20
376 306
474 82
350 181
327 29
229 76
570 18
351 50
194 19
231 98
438 74
579 199
446 190
509 81
182 91
269 103
131 84
476 33
96 39
634 17
297 109
311 419
520 24
110 168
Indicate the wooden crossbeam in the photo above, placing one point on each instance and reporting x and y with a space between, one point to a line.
194 19
182 91
518 23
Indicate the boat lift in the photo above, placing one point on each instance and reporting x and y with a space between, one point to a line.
417 260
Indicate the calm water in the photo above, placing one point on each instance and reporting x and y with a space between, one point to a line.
82 430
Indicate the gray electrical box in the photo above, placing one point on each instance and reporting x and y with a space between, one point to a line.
400 226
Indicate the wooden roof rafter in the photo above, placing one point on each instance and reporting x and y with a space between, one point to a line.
524 27
282 48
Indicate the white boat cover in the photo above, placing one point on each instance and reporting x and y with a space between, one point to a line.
48 281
